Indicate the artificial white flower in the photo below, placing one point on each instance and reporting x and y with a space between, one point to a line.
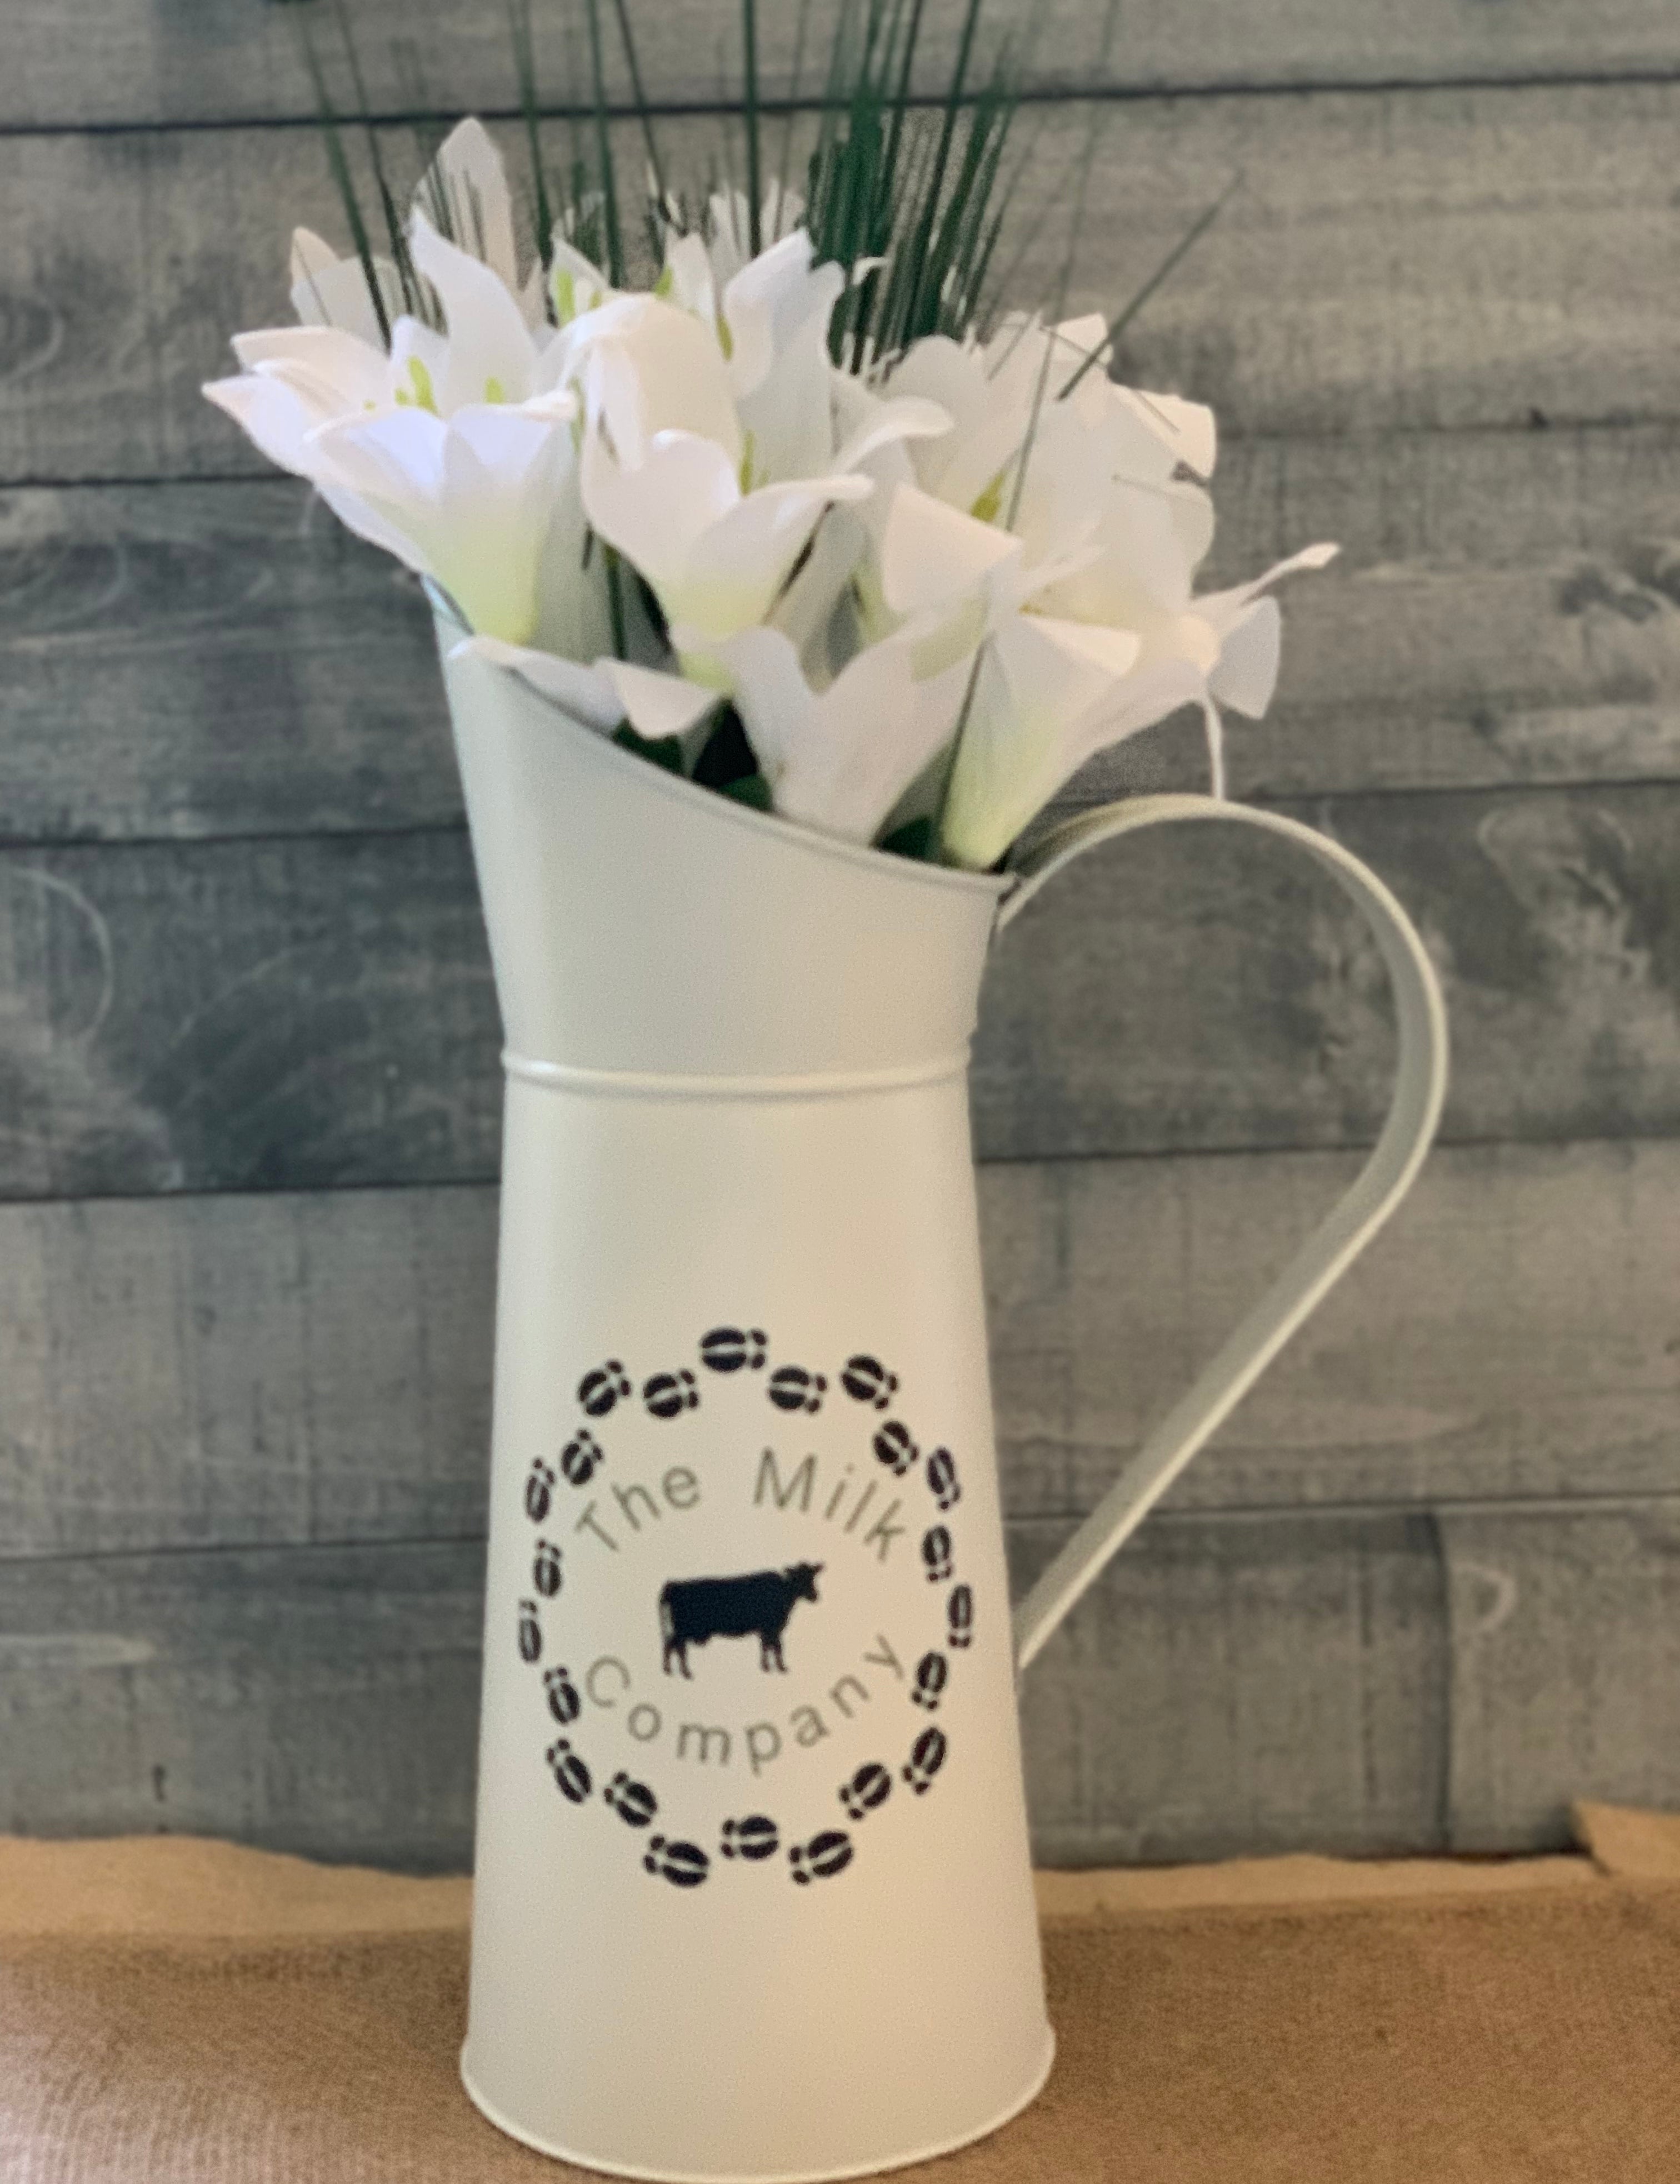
840 758
454 451
1000 398
606 694
673 481
468 500
715 557
647 367
1028 734
464 193
729 226
932 589
1094 632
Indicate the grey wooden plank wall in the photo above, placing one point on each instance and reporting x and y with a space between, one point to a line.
1426 1586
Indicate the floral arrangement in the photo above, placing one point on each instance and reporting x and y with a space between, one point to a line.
801 517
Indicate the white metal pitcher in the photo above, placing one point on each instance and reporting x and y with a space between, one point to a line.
753 1898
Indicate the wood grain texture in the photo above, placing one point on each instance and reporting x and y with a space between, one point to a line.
208 659
1566 1644
1396 260
121 61
1281 1682
312 1011
1509 1337
280 1369
231 1371
215 659
323 1701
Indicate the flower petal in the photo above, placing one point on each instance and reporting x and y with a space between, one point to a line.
379 530
1185 432
469 175
655 512
333 373
776 309
649 368
657 704
688 270
931 554
769 300
1042 705
274 416
583 692
577 284
1246 672
491 357
330 291
839 762
395 458
805 611
733 573
905 417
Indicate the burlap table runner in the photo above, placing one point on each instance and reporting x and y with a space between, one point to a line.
188 2012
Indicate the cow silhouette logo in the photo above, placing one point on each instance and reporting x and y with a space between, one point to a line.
693 1611
939 1607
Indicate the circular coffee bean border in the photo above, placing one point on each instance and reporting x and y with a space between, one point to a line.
753 1838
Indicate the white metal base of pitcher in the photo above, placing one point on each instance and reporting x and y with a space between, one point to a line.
875 2167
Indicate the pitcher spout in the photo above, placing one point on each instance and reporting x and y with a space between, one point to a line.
640 924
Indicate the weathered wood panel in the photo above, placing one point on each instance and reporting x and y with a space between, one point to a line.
321 1700
315 1010
1232 1686
221 659
1154 979
161 1002
1510 1336
106 61
228 1371
1565 1643
1262 1685
1455 258
210 658
232 1371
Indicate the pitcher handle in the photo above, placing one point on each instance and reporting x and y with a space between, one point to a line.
1420 1087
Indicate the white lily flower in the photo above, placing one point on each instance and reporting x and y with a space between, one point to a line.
953 579
1033 724
318 374
492 514
488 353
839 760
296 378
607 694
647 367
1049 695
1090 480
715 557
468 501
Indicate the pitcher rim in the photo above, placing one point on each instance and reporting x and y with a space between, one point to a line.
886 862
